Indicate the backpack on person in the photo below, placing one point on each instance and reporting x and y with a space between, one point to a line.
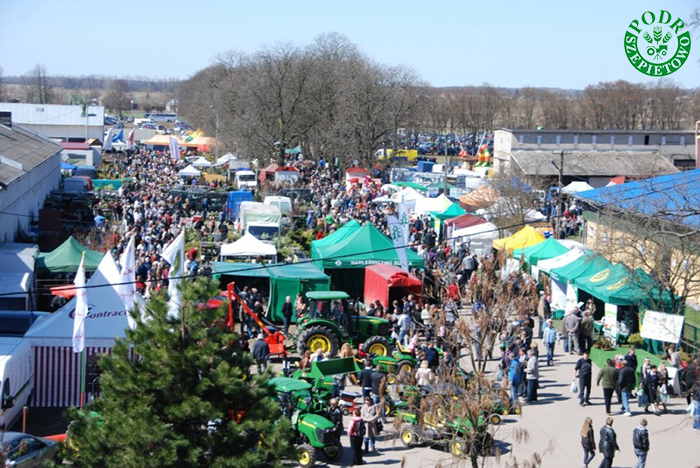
360 428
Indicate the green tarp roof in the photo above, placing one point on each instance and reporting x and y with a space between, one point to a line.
343 232
413 185
66 258
543 251
453 211
620 285
365 246
588 264
288 279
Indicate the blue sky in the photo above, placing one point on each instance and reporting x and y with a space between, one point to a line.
448 43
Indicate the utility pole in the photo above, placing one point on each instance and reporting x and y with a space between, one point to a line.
560 168
444 182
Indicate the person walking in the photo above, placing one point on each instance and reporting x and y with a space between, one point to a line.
336 417
424 375
584 372
261 352
650 383
608 444
586 331
588 441
515 376
625 382
571 325
608 375
370 414
287 314
532 374
378 386
357 431
550 340
365 378
640 441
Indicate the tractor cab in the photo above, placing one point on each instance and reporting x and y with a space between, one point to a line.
331 321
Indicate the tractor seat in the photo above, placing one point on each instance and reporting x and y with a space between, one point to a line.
402 348
352 395
348 404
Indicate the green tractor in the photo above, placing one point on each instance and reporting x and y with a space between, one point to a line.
433 427
314 433
330 323
321 373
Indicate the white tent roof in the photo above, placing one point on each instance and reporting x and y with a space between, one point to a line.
189 171
201 162
431 205
575 187
559 261
248 246
106 319
478 230
224 159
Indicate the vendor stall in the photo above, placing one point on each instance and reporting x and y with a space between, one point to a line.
386 283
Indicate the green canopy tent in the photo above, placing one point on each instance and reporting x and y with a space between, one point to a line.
285 280
413 185
543 251
66 258
365 246
343 232
588 264
453 211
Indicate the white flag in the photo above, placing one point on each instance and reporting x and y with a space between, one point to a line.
404 221
397 237
81 308
107 144
174 148
174 254
130 141
127 288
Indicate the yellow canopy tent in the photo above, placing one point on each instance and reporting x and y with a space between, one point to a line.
525 237
162 140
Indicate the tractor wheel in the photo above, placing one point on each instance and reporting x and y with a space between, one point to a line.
409 437
306 456
377 345
315 338
404 367
457 448
495 419
388 409
333 452
391 379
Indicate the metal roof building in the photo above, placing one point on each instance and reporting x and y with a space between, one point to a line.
29 171
60 122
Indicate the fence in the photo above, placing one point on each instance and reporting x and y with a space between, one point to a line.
691 338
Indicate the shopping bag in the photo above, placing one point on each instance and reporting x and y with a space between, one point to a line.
574 387
499 375
642 399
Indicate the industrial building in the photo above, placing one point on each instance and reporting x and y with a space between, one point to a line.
59 122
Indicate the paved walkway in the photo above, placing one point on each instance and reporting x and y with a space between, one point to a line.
553 425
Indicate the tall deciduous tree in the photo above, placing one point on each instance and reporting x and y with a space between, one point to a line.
188 401
39 87
118 98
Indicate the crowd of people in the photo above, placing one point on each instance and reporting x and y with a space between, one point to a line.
146 210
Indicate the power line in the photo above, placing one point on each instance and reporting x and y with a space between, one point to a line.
260 266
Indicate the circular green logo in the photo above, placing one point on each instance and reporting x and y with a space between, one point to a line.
657 44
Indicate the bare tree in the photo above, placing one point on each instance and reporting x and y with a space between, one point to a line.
118 98
39 87
2 86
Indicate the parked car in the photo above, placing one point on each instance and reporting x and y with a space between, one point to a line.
110 120
148 127
25 450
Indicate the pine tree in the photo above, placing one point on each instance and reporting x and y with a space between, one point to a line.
189 401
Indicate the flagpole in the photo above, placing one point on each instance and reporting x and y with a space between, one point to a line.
82 378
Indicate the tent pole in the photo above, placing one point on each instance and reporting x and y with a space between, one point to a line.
82 378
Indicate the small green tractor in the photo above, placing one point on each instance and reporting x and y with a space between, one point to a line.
314 433
330 323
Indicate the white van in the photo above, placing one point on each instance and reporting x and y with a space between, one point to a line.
140 122
245 179
16 379
283 203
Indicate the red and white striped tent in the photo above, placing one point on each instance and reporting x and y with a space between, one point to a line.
56 366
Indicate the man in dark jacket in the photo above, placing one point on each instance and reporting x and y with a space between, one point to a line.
608 375
586 331
335 415
365 379
584 372
625 382
261 351
608 443
287 314
640 440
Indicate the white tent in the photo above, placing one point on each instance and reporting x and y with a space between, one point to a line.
558 288
224 159
480 237
56 376
575 187
248 246
432 205
409 196
201 162
189 171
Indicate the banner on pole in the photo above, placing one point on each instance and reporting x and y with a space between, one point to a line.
662 327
